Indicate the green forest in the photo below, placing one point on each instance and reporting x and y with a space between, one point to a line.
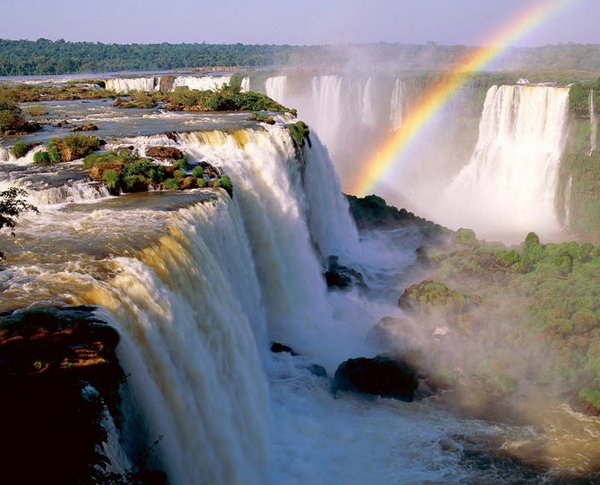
46 57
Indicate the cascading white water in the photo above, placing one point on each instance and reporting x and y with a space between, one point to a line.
201 83
268 192
126 85
276 88
594 124
188 326
73 192
327 100
328 214
368 112
510 182
245 85
397 105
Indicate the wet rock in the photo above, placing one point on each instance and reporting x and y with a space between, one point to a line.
97 171
164 153
210 171
339 276
171 135
318 370
88 127
379 376
277 348
60 124
187 183
59 376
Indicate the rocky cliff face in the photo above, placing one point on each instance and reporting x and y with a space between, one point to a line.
60 378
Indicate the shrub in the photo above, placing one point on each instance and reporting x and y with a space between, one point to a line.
201 182
171 184
179 174
198 172
181 164
53 152
226 184
300 132
466 237
11 116
77 146
111 178
20 149
98 159
41 157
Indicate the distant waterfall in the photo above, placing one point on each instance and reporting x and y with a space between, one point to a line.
203 83
276 88
511 179
368 112
397 105
125 85
593 123
245 86
327 100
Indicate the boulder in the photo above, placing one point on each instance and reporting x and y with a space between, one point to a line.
277 348
59 376
164 153
339 276
97 171
88 127
380 376
187 183
210 171
428 295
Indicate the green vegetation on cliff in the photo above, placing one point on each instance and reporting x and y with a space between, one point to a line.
372 212
578 191
227 98
536 294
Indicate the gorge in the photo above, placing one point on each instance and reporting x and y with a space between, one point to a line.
200 283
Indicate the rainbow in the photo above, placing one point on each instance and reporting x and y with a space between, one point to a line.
440 93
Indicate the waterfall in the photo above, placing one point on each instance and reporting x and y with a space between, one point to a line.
276 88
245 86
330 224
568 190
510 181
593 124
397 105
125 85
327 102
190 315
201 83
368 113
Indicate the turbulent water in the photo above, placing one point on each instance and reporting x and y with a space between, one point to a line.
198 284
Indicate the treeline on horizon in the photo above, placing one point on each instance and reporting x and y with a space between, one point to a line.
46 57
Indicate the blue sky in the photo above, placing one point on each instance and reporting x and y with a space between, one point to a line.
287 21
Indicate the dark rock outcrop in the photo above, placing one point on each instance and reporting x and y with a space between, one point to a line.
164 153
339 276
88 127
379 376
277 348
59 375
210 171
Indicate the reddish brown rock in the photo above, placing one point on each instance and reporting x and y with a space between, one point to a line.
164 153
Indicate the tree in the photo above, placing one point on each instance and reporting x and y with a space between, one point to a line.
12 204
